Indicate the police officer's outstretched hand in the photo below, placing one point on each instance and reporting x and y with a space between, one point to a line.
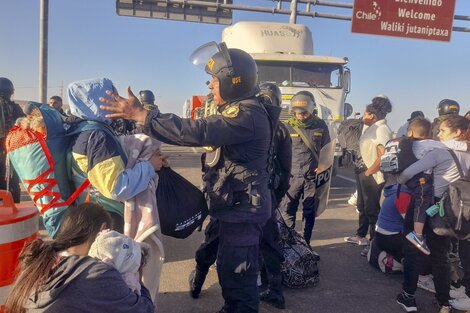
129 109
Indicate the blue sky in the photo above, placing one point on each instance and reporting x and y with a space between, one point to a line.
87 39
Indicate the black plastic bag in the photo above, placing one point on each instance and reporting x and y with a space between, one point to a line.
181 205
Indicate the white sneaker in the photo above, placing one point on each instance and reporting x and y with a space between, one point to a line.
353 199
462 304
426 283
457 293
360 241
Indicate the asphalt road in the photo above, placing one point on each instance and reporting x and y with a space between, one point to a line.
347 283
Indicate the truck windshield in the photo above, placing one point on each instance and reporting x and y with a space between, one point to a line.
300 74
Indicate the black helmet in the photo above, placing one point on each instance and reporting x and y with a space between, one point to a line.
6 87
303 101
271 93
448 106
146 97
236 71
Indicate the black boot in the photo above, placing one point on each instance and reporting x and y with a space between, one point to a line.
196 280
272 298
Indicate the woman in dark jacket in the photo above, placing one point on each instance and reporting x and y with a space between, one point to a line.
58 276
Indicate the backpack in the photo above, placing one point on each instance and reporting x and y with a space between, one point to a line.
398 155
348 134
41 164
300 266
453 218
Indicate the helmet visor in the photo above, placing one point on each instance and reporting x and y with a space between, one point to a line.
201 56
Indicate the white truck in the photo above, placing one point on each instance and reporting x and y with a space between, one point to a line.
284 55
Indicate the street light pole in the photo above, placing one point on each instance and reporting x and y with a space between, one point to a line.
43 43
293 12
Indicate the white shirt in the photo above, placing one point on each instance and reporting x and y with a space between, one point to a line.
376 134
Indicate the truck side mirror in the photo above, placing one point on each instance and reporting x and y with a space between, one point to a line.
347 80
348 110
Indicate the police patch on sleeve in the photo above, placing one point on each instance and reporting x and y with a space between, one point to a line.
231 112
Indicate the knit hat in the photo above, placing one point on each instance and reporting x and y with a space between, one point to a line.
117 250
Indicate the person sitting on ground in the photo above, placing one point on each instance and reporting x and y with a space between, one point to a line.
122 252
58 276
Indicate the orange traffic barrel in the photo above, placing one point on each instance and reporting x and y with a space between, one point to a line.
18 225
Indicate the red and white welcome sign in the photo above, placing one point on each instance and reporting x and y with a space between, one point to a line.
423 19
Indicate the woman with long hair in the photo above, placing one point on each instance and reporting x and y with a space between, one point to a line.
453 132
59 276
445 170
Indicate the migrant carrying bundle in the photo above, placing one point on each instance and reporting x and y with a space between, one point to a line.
40 157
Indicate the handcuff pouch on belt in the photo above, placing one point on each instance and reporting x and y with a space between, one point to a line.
229 193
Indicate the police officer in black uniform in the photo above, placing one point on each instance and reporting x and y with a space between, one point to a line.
240 198
206 254
147 98
309 134
270 249
9 112
444 108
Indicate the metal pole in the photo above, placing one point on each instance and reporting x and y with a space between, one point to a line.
462 17
461 29
278 10
43 42
293 12
328 3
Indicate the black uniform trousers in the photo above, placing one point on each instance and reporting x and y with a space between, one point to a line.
271 252
237 265
237 262
206 254
299 186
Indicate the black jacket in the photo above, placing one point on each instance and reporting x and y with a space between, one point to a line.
305 161
243 132
282 160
